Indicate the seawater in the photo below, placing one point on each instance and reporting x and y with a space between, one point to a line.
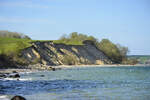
82 83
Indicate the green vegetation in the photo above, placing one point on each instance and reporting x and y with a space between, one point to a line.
74 39
115 52
131 61
142 59
68 60
111 50
7 34
10 49
12 43
9 46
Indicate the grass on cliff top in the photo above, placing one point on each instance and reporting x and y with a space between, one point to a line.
10 46
66 42
72 42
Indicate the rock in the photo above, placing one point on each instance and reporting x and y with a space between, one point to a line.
53 69
3 76
42 75
7 73
18 98
15 76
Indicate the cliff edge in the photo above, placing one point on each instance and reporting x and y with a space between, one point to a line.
48 53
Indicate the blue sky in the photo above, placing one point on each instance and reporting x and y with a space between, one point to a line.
126 22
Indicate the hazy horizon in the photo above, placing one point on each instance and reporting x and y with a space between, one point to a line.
122 21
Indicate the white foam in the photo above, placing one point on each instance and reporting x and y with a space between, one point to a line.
25 79
19 79
3 97
26 72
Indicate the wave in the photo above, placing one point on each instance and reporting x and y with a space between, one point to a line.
4 97
18 79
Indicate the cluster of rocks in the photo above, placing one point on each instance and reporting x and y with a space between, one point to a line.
9 73
42 67
14 74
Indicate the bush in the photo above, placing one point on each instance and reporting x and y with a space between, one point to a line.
8 34
75 39
111 50
11 45
115 52
68 60
131 61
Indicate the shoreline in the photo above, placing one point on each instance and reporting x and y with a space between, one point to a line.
115 65
27 70
16 70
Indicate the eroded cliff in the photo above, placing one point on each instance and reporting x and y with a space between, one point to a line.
48 53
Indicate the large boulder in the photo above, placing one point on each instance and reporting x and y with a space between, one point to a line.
18 98
3 76
15 76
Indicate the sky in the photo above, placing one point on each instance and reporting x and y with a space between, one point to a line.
126 22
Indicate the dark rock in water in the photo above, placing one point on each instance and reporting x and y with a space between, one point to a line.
15 76
18 98
3 76
42 75
7 73
53 69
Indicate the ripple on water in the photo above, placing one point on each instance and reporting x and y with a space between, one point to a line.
84 84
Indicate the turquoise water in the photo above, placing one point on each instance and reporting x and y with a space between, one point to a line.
82 83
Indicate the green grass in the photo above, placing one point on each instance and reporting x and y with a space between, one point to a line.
66 42
10 46
73 42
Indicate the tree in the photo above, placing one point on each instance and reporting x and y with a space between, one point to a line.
76 38
111 50
123 50
116 53
9 34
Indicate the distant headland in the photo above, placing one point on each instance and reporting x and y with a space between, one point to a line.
20 51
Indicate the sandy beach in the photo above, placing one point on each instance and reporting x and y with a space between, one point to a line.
115 65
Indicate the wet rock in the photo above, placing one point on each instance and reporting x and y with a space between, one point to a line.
3 76
42 75
15 76
7 73
53 69
18 98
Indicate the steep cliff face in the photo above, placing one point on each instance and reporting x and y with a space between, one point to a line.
48 53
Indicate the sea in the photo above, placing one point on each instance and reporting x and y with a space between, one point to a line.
81 83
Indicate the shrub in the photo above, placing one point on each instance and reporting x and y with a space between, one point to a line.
8 34
111 50
68 60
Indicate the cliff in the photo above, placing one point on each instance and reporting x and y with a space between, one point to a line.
48 53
